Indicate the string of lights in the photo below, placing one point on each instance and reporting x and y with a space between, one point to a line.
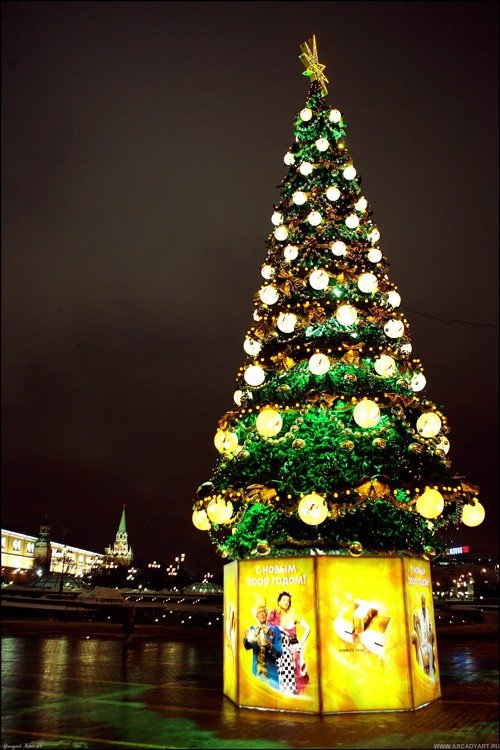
453 320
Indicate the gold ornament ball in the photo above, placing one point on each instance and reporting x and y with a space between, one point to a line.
350 377
225 441
269 422
284 388
416 448
218 511
379 443
298 444
243 455
430 503
204 490
429 553
200 520
473 515
313 509
348 445
355 549
263 548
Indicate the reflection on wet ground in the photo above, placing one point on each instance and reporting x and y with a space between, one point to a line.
70 685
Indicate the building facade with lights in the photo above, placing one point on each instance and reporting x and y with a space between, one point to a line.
19 553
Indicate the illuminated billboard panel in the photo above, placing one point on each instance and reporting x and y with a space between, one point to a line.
230 646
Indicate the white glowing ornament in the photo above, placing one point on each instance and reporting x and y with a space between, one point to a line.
428 424
393 298
374 255
339 247
319 279
254 375
394 328
305 168
219 511
430 503
418 381
269 294
335 115
267 272
367 283
226 441
444 444
385 366
299 197
361 204
281 233
306 114
349 173
374 235
352 221
366 413
473 515
286 322
269 422
256 315
276 218
237 396
319 364
314 218
406 348
313 509
252 347
290 252
200 520
322 144
346 315
333 194
289 159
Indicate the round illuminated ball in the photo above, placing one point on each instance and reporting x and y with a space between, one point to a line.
394 298
322 144
367 283
319 279
428 424
299 197
366 413
430 503
339 248
226 441
335 115
374 235
252 347
312 509
281 233
306 114
289 159
319 364
444 444
473 515
291 252
306 168
346 315
314 218
352 221
374 255
385 366
349 173
394 328
418 381
355 549
200 520
267 272
269 422
286 322
269 295
276 218
254 375
406 348
237 397
333 194
218 511
361 204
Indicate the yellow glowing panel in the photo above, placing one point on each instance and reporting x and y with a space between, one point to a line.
230 646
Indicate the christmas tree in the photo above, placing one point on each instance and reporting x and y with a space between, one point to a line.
332 445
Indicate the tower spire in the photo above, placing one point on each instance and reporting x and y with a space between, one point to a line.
122 528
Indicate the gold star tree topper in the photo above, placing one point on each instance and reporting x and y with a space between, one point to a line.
314 69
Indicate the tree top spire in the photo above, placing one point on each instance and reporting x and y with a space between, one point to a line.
314 69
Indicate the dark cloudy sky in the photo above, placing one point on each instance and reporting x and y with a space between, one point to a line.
142 146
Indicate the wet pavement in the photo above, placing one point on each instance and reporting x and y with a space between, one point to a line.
70 685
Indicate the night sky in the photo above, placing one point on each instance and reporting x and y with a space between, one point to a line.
143 145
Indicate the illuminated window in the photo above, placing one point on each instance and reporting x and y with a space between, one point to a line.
16 545
4 542
30 547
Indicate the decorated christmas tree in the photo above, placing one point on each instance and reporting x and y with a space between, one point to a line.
332 445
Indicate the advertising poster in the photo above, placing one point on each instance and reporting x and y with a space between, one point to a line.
422 631
230 645
362 634
277 636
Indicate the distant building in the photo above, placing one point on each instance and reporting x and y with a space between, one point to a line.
42 555
120 554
